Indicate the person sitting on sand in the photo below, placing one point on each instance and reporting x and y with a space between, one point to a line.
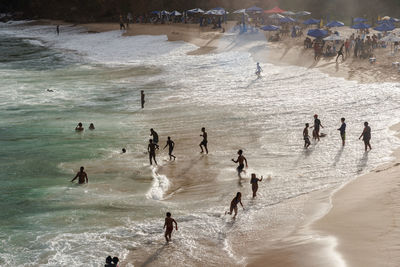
91 126
151 148
254 184
171 146
169 227
155 136
366 135
82 176
241 159
204 142
306 137
79 128
234 203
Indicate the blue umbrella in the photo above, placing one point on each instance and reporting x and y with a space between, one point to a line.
357 20
270 28
287 20
335 24
219 8
384 27
311 21
164 12
175 13
361 26
317 33
254 9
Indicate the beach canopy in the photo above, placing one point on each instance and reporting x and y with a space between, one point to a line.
317 33
287 20
391 38
270 28
394 20
276 16
175 13
289 13
275 10
303 13
311 21
254 9
357 20
335 24
164 12
196 10
361 26
239 11
333 37
384 27
385 18
215 12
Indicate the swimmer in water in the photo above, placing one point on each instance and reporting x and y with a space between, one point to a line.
91 126
82 177
169 227
241 159
171 146
151 148
79 128
123 150
50 90
258 70
234 203
204 142
254 184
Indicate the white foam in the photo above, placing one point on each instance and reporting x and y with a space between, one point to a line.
159 186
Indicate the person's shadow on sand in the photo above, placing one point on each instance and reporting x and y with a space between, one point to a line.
154 256
362 163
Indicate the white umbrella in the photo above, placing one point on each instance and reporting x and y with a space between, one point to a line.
385 18
276 16
175 13
240 11
196 10
391 38
333 37
289 13
303 13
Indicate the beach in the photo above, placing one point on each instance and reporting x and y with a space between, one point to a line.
319 203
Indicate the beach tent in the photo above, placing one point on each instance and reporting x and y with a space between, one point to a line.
317 33
175 13
215 12
196 10
333 37
288 13
384 27
287 20
361 26
270 28
311 21
276 16
254 9
240 11
335 24
358 20
275 10
303 13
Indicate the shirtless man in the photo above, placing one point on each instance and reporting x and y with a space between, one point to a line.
169 225
79 127
306 137
151 148
204 142
82 177
171 146
254 184
241 159
155 135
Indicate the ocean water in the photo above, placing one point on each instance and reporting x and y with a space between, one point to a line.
47 221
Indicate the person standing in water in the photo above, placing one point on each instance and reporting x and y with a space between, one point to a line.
204 142
79 127
151 148
155 135
58 29
317 125
254 184
91 126
342 130
258 70
82 177
306 137
169 227
142 98
171 145
241 159
121 23
340 53
366 135
234 204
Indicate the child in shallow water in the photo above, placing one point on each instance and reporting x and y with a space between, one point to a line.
169 225
254 183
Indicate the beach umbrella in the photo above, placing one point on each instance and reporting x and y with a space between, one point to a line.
391 38
335 24
358 20
240 11
384 27
333 37
288 13
303 13
164 12
317 33
175 13
270 28
275 10
155 12
311 21
287 20
385 18
361 26
276 16
254 9
394 20
196 10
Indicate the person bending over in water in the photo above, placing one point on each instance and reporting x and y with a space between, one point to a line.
169 225
342 130
306 137
254 183
258 70
171 145
151 148
91 126
79 127
155 136
234 203
317 125
205 141
366 135
241 159
82 176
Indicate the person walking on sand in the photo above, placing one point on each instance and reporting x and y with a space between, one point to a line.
316 126
142 98
171 146
258 70
169 227
340 53
82 177
155 136
366 135
254 184
234 204
151 148
241 159
306 137
342 130
205 141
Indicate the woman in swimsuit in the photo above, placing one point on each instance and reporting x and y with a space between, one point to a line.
234 203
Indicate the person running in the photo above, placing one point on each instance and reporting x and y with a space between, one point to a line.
241 159
151 148
258 70
204 142
155 136
169 227
317 125
79 127
171 145
306 137
342 130
142 98
58 29
254 184
82 177
234 204
366 135
340 53
91 126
